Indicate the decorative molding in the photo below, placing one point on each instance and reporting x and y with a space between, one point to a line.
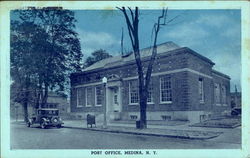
170 72
153 74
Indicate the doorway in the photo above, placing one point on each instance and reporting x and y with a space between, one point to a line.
114 102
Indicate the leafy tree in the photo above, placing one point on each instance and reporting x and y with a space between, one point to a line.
96 56
133 30
44 49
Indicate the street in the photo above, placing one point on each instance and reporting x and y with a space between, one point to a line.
23 137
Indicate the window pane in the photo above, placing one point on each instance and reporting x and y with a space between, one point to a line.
223 94
166 91
98 96
150 93
201 90
134 91
217 93
80 97
88 96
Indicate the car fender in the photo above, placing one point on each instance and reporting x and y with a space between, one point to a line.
44 120
30 121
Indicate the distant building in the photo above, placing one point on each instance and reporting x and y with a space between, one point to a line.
235 99
58 101
54 101
183 86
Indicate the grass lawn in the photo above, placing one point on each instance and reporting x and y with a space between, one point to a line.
220 123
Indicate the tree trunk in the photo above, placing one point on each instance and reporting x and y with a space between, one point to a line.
143 108
37 98
143 111
45 96
25 105
25 111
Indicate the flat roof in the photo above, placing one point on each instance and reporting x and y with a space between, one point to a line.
220 74
164 48
119 60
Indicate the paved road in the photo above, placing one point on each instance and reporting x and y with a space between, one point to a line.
65 138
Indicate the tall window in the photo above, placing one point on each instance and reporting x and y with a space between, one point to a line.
223 94
80 97
217 93
98 96
115 101
201 90
88 96
133 92
150 93
165 88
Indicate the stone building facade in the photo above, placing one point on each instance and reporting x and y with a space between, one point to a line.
183 86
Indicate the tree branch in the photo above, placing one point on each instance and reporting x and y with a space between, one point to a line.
129 25
131 13
156 29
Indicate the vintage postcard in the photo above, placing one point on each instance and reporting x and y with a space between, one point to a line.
125 79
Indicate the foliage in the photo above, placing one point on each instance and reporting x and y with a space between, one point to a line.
96 56
44 49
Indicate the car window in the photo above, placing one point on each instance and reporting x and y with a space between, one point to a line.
48 112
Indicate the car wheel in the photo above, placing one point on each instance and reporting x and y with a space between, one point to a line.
234 113
59 126
43 125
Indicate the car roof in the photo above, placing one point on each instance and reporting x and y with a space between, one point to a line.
47 109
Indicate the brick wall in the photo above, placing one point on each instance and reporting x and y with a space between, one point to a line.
193 83
195 63
92 108
222 81
184 84
180 100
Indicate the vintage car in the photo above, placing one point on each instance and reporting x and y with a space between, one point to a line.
236 111
46 117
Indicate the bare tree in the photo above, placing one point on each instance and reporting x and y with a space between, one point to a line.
144 80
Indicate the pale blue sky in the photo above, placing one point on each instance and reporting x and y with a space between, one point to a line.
215 34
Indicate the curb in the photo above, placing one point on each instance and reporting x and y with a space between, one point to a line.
147 134
228 127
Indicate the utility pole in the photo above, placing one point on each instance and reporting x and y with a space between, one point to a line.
104 81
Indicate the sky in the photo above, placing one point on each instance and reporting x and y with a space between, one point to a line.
215 34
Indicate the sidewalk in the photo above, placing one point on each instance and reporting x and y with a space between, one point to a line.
178 131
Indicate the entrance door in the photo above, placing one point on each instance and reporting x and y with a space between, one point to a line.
116 99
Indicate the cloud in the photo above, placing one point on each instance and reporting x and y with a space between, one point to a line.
229 63
195 32
232 32
215 36
91 41
213 20
188 34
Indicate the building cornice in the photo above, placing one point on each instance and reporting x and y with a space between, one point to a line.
153 74
147 58
219 74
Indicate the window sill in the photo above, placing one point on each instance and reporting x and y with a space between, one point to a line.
167 102
133 104
202 102
218 104
87 106
138 103
98 105
150 103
